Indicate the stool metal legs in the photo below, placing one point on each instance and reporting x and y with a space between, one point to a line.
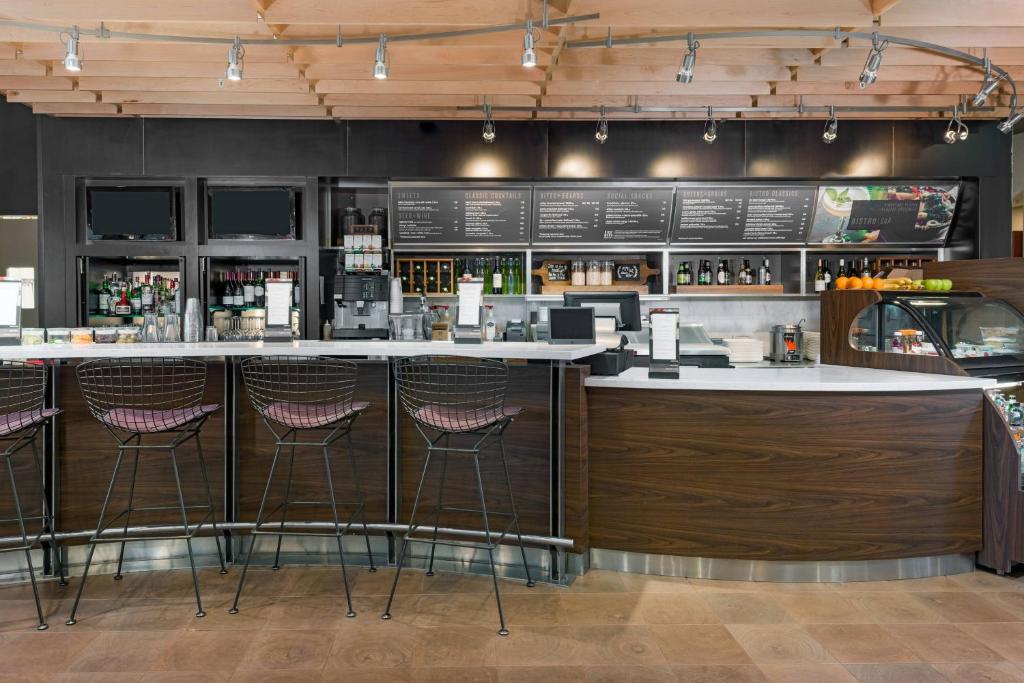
486 438
290 439
46 519
134 443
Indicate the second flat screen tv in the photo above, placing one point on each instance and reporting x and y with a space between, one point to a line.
257 213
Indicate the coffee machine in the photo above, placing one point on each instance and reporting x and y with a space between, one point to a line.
360 307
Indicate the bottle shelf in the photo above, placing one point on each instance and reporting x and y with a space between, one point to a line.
697 290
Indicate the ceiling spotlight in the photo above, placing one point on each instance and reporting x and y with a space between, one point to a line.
870 73
72 61
710 128
380 64
489 133
1007 124
831 132
954 128
601 134
685 74
988 87
529 59
236 55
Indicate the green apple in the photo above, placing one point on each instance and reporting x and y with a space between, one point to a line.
947 285
932 285
918 284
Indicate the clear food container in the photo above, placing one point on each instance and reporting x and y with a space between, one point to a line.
127 335
58 335
33 335
81 335
106 335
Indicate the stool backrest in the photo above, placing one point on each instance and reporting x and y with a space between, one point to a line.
314 384
459 390
22 389
144 384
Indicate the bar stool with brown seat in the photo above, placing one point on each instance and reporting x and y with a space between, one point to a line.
22 415
137 400
462 398
307 402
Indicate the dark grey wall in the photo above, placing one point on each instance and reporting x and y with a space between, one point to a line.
17 160
190 148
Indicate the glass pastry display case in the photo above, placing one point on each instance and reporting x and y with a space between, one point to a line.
984 336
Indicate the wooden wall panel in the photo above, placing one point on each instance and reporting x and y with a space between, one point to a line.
1004 500
527 447
577 467
1001 278
87 453
785 476
369 435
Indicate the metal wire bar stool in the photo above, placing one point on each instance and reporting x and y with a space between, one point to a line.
22 415
306 396
143 397
462 397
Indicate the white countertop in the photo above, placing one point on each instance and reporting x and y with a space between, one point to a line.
509 350
822 378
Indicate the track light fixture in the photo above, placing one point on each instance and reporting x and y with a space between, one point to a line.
831 132
988 87
529 59
380 64
957 129
685 74
710 128
601 134
72 61
489 133
236 57
1015 117
870 72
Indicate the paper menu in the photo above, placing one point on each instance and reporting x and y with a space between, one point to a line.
664 335
10 302
471 295
279 303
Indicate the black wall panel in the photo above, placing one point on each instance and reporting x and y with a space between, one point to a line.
18 195
655 149
445 149
202 147
795 148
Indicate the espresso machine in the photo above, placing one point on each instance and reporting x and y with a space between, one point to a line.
360 307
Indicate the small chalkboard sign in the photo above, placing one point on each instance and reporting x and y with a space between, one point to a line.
628 272
558 271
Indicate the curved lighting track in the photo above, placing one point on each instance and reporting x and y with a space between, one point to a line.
837 33
337 41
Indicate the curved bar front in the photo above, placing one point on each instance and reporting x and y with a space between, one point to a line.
805 474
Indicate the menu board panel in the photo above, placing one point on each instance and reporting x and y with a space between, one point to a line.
884 214
588 215
430 215
733 214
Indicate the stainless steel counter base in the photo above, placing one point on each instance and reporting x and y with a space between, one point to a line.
797 572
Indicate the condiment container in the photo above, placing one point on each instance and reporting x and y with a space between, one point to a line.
127 335
105 335
58 335
81 335
33 335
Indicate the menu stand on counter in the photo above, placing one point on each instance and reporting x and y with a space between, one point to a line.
278 326
664 344
10 312
468 313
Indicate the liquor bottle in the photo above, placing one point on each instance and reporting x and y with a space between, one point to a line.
123 306
819 277
842 269
497 278
865 271
103 303
488 274
828 275
135 297
512 278
720 274
681 274
239 298
115 296
260 290
227 292
767 270
147 296
248 290
704 273
748 276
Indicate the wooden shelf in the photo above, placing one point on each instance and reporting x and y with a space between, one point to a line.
559 289
698 290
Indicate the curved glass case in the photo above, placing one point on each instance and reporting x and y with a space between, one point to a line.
984 336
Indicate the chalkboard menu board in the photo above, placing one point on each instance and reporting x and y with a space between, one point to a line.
581 215
730 214
430 215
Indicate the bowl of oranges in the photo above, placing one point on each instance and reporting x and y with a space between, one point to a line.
859 282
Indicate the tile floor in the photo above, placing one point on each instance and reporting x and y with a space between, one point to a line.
607 627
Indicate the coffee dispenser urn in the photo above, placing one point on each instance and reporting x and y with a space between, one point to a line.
360 307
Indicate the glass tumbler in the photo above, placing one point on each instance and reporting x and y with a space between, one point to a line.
172 329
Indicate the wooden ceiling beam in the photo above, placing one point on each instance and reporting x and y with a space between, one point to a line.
878 88
160 70
126 97
68 108
248 85
231 111
421 113
425 100
658 88
391 86
21 67
426 72
704 72
50 96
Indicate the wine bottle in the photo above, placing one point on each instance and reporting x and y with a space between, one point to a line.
828 275
497 277
260 290
819 277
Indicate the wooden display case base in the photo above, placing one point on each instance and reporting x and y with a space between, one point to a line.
728 289
560 289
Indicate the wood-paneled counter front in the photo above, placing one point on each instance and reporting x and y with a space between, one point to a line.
793 465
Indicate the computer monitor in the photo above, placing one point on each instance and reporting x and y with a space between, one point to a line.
624 306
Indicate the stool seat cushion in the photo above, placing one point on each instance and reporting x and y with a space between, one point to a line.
22 419
152 421
312 415
454 419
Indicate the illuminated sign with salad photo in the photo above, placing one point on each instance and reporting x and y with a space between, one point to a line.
883 214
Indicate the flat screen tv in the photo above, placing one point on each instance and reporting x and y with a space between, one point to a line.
132 213
252 213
